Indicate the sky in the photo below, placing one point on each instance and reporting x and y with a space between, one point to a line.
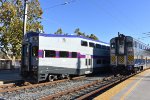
104 18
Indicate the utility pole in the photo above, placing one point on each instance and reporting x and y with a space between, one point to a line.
24 32
25 16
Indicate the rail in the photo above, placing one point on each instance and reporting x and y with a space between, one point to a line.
88 90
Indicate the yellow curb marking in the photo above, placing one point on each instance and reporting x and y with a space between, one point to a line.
116 89
131 89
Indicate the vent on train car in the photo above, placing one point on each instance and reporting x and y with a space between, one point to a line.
121 59
113 59
130 59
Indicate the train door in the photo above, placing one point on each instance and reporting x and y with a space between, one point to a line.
146 62
88 63
121 46
26 57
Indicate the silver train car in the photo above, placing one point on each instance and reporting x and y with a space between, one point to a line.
50 56
128 55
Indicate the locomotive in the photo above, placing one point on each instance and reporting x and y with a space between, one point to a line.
52 56
128 55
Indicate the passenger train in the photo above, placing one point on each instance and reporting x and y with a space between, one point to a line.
128 55
51 56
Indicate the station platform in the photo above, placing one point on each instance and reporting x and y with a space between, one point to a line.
10 76
134 88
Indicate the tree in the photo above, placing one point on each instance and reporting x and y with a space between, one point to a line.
77 30
87 36
92 36
11 24
78 33
59 31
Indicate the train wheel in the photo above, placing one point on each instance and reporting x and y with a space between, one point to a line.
50 78
141 68
68 77
136 70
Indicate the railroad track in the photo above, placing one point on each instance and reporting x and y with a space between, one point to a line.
77 92
87 91
10 86
7 91
27 85
7 86
77 88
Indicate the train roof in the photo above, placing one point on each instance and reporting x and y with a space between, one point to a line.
30 34
134 39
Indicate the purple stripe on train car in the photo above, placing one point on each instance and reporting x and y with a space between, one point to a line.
40 53
57 54
82 56
70 54
78 54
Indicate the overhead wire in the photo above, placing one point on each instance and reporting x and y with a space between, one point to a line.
53 6
120 21
124 16
114 17
61 4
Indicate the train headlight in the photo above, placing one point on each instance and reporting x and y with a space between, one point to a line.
35 68
34 38
130 50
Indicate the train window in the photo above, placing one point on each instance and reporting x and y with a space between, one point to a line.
98 46
108 48
89 61
64 54
135 44
98 61
25 50
112 45
103 47
84 43
143 47
107 61
104 61
35 51
129 44
121 42
91 44
86 62
50 53
74 54
140 46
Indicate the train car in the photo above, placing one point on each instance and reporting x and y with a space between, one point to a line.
128 55
51 56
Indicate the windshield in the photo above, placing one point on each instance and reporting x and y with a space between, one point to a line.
121 46
129 44
112 45
35 51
